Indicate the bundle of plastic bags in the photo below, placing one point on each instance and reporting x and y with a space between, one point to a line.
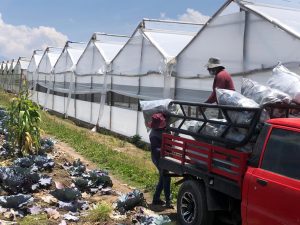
262 94
233 98
192 125
158 106
286 81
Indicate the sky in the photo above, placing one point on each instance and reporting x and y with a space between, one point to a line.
36 24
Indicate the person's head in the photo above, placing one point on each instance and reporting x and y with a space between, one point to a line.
214 66
158 121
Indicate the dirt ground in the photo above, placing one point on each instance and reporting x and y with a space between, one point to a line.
67 153
63 153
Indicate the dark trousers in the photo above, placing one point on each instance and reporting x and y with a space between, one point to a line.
164 182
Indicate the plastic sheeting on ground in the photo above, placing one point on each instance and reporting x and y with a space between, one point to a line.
129 201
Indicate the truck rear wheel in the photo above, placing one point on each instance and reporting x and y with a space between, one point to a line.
191 204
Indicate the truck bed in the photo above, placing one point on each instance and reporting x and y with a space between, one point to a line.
222 168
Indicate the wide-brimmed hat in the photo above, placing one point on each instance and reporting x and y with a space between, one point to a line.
213 63
158 120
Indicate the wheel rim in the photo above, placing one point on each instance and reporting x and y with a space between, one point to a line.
188 207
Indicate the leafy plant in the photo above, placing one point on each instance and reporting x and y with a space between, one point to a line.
24 123
137 141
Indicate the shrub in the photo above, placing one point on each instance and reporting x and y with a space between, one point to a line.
137 141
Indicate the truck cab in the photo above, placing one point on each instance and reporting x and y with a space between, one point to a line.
271 187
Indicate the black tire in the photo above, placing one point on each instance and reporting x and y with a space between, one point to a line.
192 205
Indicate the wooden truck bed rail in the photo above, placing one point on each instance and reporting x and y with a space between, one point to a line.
206 157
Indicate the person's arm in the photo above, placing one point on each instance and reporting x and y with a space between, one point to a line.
212 98
155 144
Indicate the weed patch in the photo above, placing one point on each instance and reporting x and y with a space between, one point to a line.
100 212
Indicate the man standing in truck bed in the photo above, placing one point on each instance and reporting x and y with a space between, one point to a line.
222 78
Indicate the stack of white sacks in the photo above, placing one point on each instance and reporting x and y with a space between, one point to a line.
283 87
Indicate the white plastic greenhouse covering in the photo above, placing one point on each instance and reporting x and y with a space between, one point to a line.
62 78
90 76
1 73
250 39
8 74
44 71
19 73
32 67
153 48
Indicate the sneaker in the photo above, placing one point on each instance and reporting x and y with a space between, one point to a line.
158 202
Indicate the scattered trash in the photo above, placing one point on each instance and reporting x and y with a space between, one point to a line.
147 217
82 184
16 180
77 168
94 181
15 201
52 213
41 162
117 216
63 222
71 217
49 199
34 210
98 178
106 191
59 185
153 220
130 200
45 180
73 206
4 222
66 194
47 145
12 214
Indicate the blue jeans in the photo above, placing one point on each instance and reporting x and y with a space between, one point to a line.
164 182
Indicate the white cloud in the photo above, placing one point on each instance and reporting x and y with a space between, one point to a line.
163 15
21 40
190 15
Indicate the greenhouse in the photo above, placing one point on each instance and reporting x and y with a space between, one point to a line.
31 76
102 82
44 71
19 73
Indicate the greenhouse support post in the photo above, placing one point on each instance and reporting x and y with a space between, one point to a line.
48 90
71 87
167 80
103 96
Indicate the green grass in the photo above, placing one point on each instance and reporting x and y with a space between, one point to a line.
136 172
121 164
99 213
40 219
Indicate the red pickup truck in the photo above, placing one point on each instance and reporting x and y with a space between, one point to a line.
223 182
